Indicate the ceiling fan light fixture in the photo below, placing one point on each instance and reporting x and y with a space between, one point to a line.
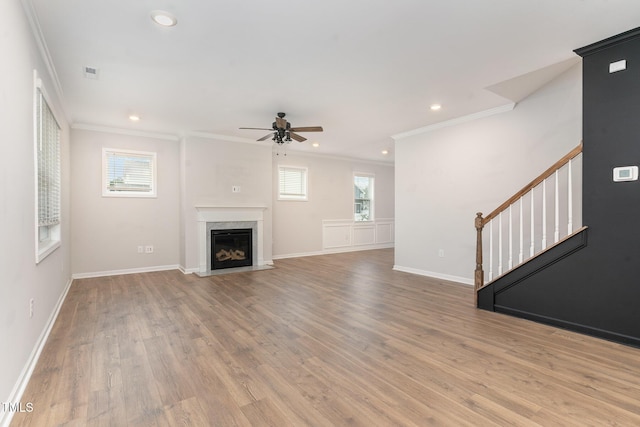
163 18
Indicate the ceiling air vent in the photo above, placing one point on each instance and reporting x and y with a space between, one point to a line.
91 72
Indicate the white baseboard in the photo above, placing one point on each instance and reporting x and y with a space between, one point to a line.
126 271
27 371
185 270
463 280
335 251
298 255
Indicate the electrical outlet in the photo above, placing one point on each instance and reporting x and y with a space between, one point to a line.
31 308
148 249
140 249
235 188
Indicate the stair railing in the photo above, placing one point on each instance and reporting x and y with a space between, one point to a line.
533 229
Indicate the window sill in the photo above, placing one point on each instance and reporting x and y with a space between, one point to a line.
45 249
130 195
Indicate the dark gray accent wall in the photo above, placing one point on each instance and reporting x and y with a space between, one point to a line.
595 289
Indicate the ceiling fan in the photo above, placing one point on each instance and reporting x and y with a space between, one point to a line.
283 132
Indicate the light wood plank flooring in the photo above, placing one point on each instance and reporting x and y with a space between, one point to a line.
321 341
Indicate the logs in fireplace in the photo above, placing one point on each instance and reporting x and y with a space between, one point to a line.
231 248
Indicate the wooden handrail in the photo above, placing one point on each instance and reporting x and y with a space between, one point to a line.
480 222
546 174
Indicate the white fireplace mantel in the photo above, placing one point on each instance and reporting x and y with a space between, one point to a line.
227 213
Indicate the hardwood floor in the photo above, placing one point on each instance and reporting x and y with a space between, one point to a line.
323 341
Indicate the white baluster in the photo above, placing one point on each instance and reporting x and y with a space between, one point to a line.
544 214
521 255
556 232
570 199
500 244
491 250
510 237
533 237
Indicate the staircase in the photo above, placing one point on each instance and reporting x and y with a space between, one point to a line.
533 260
529 230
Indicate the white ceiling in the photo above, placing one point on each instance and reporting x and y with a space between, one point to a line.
362 69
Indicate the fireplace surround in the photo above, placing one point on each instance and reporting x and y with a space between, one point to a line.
216 217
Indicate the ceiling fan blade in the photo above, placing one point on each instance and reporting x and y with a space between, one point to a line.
267 136
307 129
297 137
257 128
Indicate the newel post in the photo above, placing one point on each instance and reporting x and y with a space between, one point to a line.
479 273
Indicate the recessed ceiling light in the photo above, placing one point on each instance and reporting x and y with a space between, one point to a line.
164 18
315 144
435 107
134 118
385 152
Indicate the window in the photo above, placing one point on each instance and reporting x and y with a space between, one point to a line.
127 173
363 197
47 159
292 183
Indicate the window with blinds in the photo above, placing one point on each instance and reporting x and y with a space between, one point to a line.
292 183
47 153
363 197
127 173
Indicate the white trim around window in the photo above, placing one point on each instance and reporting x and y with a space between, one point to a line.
48 187
364 196
293 183
128 173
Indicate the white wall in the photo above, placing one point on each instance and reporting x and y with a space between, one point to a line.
210 168
297 225
20 278
201 170
106 231
445 176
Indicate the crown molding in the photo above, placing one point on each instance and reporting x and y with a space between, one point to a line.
457 121
608 42
218 137
121 131
36 31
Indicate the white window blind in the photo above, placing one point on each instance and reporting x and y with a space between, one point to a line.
128 173
48 187
48 158
292 183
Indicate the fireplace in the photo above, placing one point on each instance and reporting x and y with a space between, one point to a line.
216 217
231 248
